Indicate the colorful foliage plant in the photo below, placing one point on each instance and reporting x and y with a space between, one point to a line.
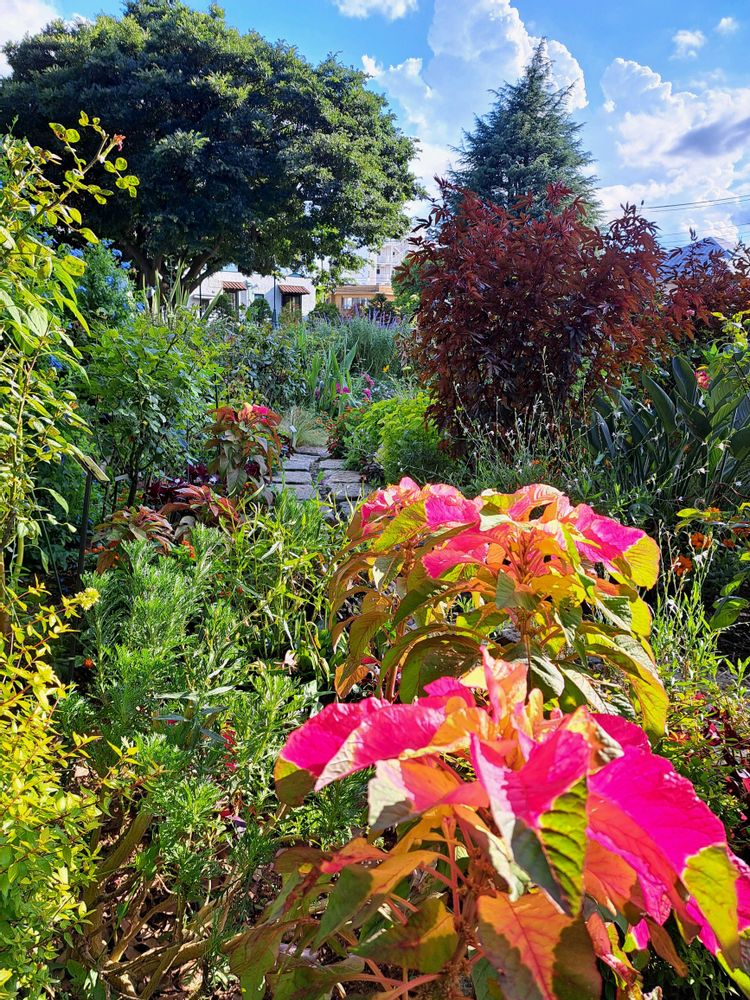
531 849
239 437
196 504
529 575
529 844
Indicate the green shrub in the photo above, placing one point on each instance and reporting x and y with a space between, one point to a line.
398 434
324 312
106 294
145 394
254 360
681 438
360 432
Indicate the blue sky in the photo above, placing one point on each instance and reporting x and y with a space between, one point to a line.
662 87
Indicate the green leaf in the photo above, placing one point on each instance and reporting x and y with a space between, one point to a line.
505 593
562 832
425 943
253 955
435 657
484 978
728 610
711 878
632 657
308 982
662 403
404 526
358 886
739 444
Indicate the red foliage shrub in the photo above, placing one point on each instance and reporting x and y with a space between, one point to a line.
513 305
514 308
703 286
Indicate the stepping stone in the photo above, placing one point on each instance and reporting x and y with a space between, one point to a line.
305 492
312 449
293 477
298 462
350 494
329 464
301 491
342 476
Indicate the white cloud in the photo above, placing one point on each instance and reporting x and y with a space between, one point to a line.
392 9
675 146
19 17
687 44
476 47
727 26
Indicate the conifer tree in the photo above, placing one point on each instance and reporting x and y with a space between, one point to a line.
526 141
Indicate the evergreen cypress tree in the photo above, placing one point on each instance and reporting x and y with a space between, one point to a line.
526 141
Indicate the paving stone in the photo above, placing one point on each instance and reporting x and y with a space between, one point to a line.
294 477
342 476
312 449
305 492
329 464
348 494
299 462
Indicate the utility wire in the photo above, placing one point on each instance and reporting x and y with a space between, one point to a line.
695 204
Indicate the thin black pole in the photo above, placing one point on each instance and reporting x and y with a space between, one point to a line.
84 530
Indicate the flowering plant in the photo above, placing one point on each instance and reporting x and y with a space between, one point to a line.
534 578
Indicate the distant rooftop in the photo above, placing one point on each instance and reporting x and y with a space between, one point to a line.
698 252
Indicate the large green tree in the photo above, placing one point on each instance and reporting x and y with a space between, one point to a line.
245 151
526 141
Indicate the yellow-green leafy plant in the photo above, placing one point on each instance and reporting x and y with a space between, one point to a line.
45 857
37 292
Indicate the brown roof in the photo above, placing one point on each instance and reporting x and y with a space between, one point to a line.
294 290
234 286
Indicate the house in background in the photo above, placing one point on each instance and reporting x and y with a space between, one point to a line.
697 254
288 291
375 277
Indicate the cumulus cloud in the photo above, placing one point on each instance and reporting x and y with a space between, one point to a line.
476 46
687 44
678 146
20 17
727 26
392 9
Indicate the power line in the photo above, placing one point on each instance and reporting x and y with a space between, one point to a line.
696 204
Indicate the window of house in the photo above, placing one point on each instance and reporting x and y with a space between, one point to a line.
292 302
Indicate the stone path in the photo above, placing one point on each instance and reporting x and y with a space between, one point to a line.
311 472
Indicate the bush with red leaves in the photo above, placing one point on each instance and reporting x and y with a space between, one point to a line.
515 309
704 289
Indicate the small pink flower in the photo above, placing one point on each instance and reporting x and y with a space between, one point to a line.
367 393
703 378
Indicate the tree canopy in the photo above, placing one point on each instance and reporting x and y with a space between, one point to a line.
527 141
246 152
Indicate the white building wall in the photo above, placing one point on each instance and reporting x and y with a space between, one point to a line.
378 268
256 285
